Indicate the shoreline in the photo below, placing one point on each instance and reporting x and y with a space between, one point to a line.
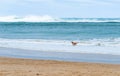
31 67
60 56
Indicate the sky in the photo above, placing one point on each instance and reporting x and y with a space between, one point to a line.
62 8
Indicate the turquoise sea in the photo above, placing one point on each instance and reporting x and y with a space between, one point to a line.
60 30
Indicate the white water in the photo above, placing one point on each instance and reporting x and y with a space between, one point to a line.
46 18
99 46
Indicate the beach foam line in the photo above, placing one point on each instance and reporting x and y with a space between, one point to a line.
91 46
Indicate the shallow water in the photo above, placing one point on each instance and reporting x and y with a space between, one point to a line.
61 56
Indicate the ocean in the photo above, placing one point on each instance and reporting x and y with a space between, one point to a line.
94 35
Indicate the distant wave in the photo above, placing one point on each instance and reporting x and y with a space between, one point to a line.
30 18
46 18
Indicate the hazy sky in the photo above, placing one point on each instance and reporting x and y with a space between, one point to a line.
61 8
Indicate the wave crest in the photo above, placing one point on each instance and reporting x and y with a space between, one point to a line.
46 18
30 18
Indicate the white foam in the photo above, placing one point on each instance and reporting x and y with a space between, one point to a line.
46 18
30 18
89 46
8 19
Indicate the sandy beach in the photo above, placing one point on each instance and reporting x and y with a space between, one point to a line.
29 67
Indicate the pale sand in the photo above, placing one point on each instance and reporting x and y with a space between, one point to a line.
27 67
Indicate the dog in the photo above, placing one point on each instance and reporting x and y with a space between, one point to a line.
74 43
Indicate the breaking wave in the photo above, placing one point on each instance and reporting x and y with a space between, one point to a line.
46 18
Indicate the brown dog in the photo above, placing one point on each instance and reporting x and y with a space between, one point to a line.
74 43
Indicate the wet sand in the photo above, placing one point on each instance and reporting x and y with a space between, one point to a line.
29 67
